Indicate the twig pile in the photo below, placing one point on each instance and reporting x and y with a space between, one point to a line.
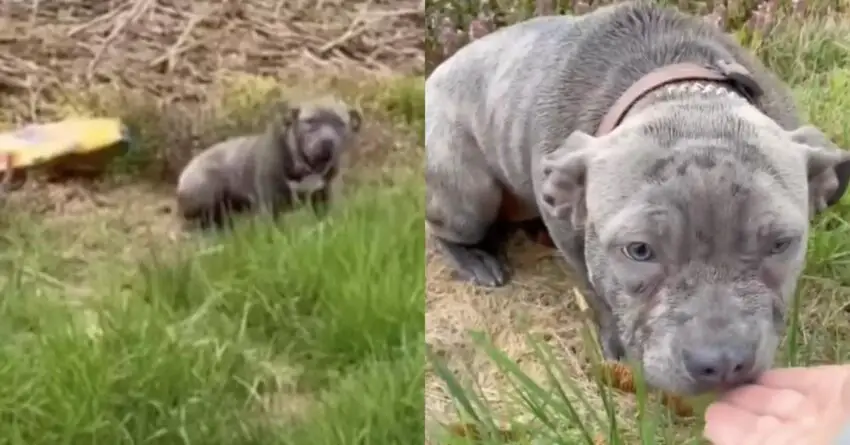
174 48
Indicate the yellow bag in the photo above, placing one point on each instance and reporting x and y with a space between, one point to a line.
70 146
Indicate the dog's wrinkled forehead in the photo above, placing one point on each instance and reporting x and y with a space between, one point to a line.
704 155
714 196
328 112
323 116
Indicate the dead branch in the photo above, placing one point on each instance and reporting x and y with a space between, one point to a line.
173 48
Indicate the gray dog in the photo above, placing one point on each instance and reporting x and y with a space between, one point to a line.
296 160
667 164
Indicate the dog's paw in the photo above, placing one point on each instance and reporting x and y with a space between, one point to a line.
563 179
562 190
559 194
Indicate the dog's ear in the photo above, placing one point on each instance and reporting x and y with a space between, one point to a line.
828 167
564 173
290 114
355 120
284 116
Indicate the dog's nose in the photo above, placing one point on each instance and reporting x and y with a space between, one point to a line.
726 365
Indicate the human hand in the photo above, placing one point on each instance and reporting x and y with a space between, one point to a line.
785 406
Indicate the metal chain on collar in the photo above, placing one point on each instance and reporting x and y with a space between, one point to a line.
698 88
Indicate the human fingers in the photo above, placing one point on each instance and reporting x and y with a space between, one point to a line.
727 424
804 379
784 404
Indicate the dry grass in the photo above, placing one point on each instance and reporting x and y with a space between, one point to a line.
175 49
520 352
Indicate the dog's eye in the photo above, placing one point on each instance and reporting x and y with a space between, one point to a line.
639 252
780 245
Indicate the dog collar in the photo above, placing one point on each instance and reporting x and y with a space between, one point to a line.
732 74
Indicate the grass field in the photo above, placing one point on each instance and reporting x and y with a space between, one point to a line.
533 386
121 328
303 335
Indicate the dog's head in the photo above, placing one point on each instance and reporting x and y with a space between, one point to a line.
696 219
316 135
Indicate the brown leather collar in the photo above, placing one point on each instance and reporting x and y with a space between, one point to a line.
731 73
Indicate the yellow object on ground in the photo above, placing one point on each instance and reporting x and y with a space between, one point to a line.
73 144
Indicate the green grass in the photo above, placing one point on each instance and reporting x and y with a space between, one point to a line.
812 56
328 315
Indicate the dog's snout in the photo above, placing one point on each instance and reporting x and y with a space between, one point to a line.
720 365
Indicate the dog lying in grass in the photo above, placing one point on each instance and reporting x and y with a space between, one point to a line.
668 166
296 161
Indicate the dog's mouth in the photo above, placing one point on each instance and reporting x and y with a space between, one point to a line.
698 387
